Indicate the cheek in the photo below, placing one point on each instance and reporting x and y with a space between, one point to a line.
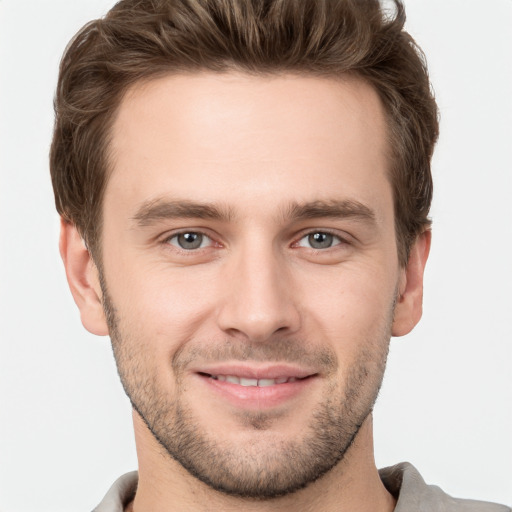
161 304
349 291
168 306
348 303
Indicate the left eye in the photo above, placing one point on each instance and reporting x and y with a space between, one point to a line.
319 240
190 240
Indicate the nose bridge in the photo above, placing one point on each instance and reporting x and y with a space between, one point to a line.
258 294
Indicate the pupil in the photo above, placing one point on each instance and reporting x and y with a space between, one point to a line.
320 240
190 240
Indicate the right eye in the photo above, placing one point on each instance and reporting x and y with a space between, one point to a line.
190 240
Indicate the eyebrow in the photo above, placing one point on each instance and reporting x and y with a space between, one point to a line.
347 208
156 210
151 212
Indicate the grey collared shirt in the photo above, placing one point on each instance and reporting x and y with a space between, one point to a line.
403 481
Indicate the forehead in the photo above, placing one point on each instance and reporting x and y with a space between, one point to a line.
235 136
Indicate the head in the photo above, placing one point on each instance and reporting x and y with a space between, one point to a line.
252 183
140 40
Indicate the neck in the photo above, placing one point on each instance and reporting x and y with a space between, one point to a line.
353 484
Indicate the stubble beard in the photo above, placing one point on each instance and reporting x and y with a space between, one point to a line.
272 467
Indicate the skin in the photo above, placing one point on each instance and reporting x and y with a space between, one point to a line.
275 160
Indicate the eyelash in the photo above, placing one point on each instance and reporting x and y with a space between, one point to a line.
167 240
340 240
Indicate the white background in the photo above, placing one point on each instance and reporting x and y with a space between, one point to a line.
65 425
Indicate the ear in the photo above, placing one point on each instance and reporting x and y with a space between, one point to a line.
409 306
83 279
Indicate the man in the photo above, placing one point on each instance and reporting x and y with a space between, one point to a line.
244 190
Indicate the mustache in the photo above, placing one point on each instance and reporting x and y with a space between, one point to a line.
278 350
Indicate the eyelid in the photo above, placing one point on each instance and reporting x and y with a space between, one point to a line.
342 240
166 239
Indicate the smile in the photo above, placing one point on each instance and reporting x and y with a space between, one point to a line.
257 388
242 381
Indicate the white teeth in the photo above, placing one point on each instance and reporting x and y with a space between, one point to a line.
242 381
248 382
268 382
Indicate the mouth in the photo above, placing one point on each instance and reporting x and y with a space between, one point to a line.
249 387
252 382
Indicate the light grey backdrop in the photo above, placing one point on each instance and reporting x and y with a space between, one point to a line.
65 425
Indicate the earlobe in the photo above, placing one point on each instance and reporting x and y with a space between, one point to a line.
409 305
83 279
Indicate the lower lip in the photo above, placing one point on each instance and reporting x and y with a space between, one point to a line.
256 397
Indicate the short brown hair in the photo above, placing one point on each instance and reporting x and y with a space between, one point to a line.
141 39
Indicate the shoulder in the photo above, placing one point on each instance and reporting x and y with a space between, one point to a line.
412 493
120 494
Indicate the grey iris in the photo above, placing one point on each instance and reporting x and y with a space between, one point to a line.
320 240
190 240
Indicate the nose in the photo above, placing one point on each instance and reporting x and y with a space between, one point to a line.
258 297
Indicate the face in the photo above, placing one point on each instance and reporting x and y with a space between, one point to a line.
250 271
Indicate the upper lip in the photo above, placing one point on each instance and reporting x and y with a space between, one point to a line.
254 371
